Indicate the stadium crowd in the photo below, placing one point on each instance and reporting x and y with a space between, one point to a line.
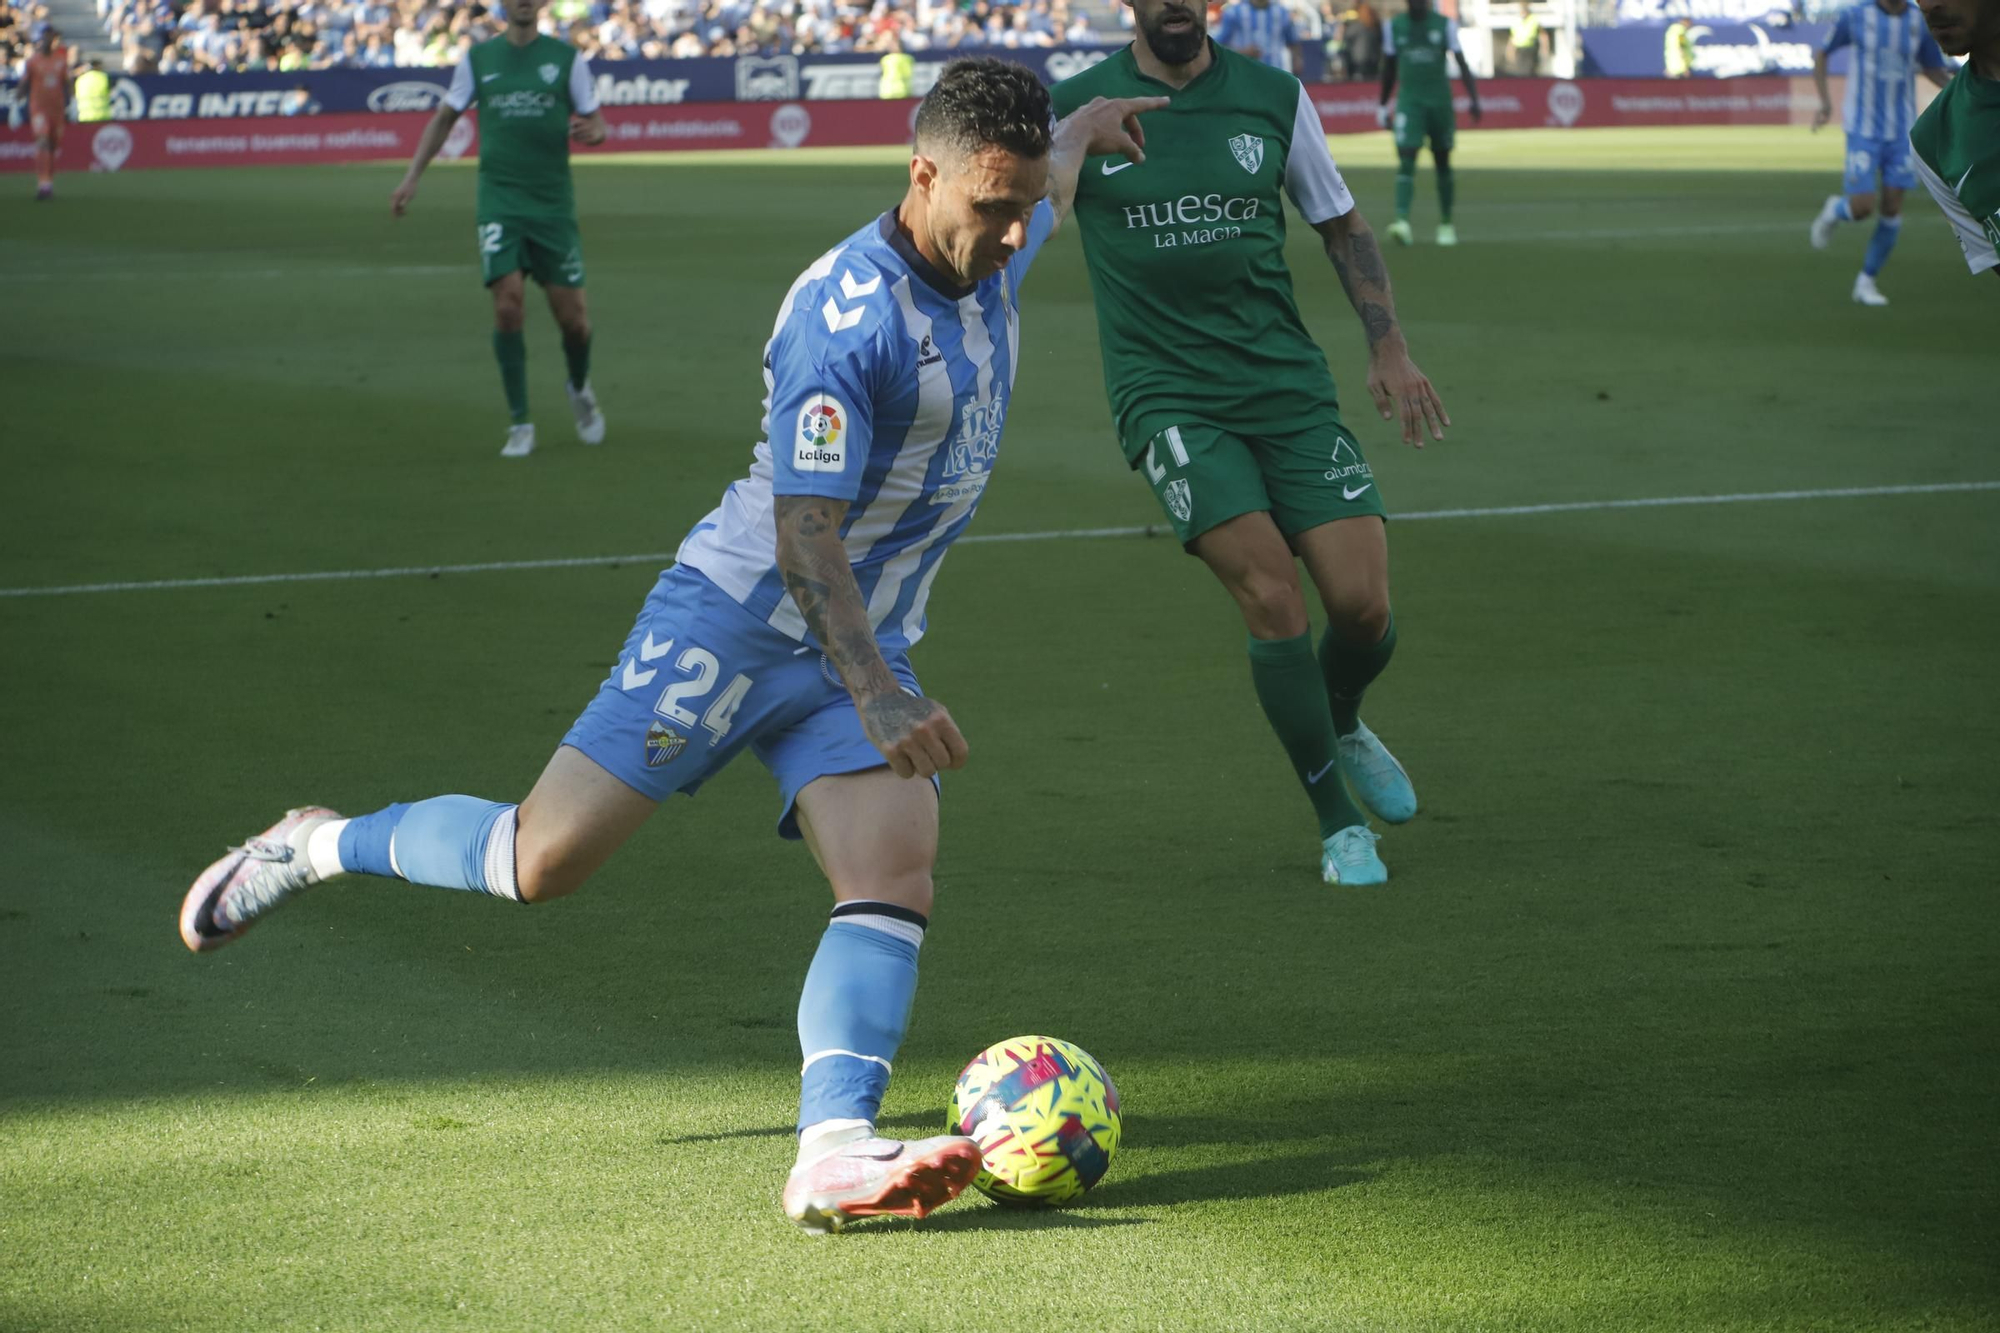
190 36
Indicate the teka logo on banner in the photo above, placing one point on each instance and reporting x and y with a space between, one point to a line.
1565 104
759 79
110 146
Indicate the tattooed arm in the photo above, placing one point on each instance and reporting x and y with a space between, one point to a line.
1399 389
916 735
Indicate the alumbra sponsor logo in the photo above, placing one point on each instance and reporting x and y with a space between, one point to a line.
407 95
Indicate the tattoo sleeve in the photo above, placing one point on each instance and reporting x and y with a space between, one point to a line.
1357 260
814 565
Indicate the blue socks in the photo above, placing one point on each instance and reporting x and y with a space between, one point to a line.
452 842
853 1010
1880 244
1845 212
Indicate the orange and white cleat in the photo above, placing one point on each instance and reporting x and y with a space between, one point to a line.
229 896
878 1178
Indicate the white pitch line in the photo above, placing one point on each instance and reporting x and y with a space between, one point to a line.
1060 534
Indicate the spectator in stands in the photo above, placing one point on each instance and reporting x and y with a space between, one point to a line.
1524 43
1680 49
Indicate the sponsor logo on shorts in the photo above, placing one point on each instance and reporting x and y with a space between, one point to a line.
1180 499
1347 462
663 745
820 442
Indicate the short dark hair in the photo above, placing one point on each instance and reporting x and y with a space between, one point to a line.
981 102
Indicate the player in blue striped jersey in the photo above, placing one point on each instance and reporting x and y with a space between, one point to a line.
1262 30
1891 46
784 624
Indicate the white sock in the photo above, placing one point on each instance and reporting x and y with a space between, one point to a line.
323 850
816 1141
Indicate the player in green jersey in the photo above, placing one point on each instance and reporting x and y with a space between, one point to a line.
1957 139
1414 46
1221 395
534 94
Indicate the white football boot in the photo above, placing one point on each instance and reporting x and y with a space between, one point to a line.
1865 291
1823 225
520 441
874 1177
229 896
589 417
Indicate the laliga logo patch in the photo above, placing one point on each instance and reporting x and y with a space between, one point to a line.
818 445
1565 103
111 146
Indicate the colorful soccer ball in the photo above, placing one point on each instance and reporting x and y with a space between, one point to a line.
1044 1113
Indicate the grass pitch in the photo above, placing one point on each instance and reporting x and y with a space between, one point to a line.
1678 1013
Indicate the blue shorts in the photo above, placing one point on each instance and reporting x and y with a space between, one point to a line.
700 678
1868 156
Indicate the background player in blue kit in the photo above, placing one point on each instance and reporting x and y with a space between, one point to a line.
784 626
1891 45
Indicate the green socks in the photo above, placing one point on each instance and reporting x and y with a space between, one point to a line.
1447 190
1293 692
578 356
1348 668
511 351
1406 182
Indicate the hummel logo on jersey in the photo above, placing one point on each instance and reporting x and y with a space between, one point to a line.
1112 168
838 319
928 353
853 290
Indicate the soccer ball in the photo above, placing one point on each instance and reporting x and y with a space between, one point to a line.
1045 1116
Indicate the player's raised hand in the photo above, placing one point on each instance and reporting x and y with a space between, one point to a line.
1403 394
916 735
1112 125
400 197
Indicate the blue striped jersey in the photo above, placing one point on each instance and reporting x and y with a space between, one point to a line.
1269 29
886 386
1882 80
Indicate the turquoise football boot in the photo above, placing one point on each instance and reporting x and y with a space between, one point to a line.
1375 778
1349 857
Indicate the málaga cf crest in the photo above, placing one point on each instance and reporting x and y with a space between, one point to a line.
1249 150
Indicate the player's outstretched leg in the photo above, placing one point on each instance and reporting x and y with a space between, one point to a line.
1831 214
1447 185
1252 561
1349 563
577 815
510 349
875 836
1887 229
573 317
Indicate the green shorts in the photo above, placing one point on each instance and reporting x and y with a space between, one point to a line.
549 248
1204 476
1418 121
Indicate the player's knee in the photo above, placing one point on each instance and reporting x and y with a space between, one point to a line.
1362 619
1272 605
507 317
576 329
544 873
1861 205
909 887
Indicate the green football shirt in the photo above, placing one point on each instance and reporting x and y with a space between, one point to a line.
525 96
1195 312
1421 47
1957 143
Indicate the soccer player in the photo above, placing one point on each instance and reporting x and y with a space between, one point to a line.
1262 31
785 625
1890 47
1414 44
1221 395
46 72
533 93
1957 139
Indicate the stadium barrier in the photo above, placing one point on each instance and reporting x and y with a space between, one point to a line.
1343 109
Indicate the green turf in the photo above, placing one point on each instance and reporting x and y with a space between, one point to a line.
1678 1014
